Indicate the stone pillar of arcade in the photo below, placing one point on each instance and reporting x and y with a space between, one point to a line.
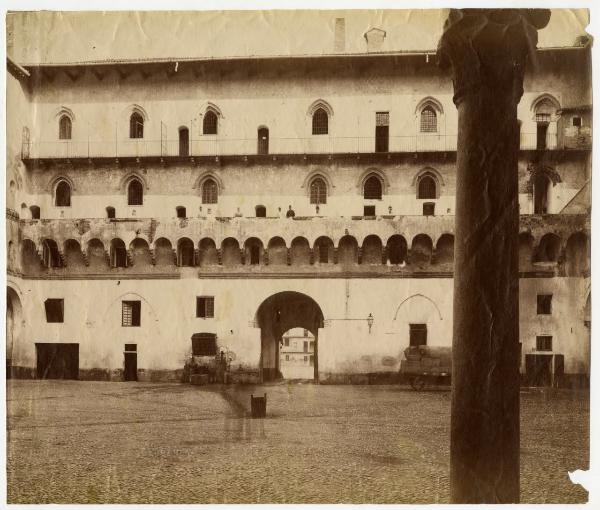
486 51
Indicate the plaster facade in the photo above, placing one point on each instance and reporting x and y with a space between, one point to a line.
327 268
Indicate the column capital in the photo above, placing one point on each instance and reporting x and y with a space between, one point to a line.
488 48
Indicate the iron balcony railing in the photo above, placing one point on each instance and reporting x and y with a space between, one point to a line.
214 146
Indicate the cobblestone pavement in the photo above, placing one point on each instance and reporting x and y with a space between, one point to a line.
97 442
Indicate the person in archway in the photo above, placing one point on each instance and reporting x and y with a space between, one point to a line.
290 213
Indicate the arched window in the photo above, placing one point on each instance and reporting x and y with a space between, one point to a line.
184 141
318 191
180 211
64 128
428 120
542 186
63 194
110 212
210 192
320 122
118 253
210 123
136 126
135 193
372 188
50 254
185 253
427 187
35 212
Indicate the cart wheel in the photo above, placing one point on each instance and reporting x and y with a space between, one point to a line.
418 383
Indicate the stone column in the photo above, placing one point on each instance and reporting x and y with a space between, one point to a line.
486 50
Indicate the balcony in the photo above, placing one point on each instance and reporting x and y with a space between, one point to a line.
210 146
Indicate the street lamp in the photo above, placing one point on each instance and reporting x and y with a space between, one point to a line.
370 320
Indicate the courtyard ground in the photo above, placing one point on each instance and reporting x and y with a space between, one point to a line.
99 442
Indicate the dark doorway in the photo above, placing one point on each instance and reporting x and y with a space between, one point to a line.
279 314
130 369
263 140
184 142
57 361
541 187
542 131
382 131
538 369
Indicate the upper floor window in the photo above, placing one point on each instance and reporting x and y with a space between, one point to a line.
63 194
263 140
131 313
64 128
210 192
427 187
382 131
135 193
35 212
544 304
428 120
110 212
372 188
320 122
318 191
55 310
136 126
210 123
181 213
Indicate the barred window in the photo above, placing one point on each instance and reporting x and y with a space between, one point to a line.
210 192
428 120
320 122
427 187
136 126
209 123
204 344
318 191
205 307
542 117
131 313
64 128
382 119
372 188
543 343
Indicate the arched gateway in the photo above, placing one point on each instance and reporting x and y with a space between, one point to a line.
278 314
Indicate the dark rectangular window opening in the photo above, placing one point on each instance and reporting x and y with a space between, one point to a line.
286 342
544 304
418 334
55 310
305 346
131 313
543 343
205 307
382 131
429 209
542 131
204 344
577 121
130 347
254 255
369 210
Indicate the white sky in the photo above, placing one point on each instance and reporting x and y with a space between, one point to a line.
54 37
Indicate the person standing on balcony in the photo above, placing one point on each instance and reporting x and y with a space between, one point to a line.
290 213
